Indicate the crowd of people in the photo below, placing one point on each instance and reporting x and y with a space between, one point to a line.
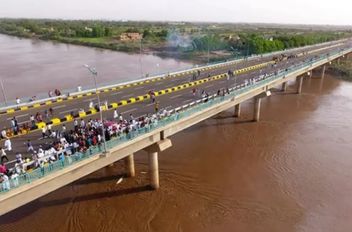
65 145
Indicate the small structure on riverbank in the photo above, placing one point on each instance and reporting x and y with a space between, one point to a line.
133 36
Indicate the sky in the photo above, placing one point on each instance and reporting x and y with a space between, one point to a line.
335 12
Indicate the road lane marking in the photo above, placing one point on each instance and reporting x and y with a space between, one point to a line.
18 116
126 96
90 99
68 111
208 86
142 87
189 100
176 96
129 111
59 107
113 94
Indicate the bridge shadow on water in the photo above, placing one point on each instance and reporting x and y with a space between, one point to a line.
32 207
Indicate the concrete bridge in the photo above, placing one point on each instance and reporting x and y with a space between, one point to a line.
252 80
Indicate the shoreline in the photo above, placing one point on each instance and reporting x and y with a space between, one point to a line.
195 57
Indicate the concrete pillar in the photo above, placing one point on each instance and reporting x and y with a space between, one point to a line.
237 110
323 71
338 60
129 166
299 85
284 86
256 112
154 170
311 73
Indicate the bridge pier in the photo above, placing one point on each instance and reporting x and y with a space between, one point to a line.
284 86
153 151
323 71
338 60
299 84
237 110
153 169
257 103
129 166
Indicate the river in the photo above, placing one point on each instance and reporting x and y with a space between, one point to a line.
289 172
30 67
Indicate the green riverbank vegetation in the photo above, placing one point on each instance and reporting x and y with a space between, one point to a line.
193 41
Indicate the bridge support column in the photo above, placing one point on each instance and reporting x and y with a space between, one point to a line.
299 85
338 60
237 110
153 169
257 102
153 151
129 165
284 86
323 71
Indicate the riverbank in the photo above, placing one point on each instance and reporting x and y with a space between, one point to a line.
195 42
133 48
342 70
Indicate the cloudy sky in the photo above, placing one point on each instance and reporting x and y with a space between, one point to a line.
268 11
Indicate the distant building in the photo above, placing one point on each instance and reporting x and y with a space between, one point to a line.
130 36
88 29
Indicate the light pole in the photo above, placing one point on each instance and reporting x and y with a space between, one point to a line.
3 91
208 48
94 72
140 56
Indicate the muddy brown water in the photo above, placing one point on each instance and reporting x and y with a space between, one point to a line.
289 172
30 67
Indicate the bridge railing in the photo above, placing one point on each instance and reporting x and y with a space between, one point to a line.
166 118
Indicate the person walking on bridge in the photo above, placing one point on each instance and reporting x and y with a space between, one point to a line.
3 155
8 145
91 104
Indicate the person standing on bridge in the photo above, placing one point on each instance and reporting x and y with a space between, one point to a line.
91 104
51 111
29 146
156 107
116 115
8 145
18 101
31 118
3 133
44 132
3 155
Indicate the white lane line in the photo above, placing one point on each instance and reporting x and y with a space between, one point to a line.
150 104
59 107
169 85
126 96
129 111
68 111
19 116
159 83
176 96
142 87
113 94
88 100
189 100
208 86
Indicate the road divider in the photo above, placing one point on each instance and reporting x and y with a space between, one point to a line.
123 86
92 111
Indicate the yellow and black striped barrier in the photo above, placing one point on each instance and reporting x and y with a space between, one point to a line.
114 105
61 99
